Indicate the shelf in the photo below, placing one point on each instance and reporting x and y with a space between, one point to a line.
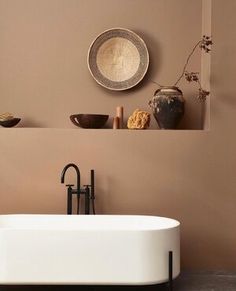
102 130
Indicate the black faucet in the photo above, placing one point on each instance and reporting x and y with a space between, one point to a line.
70 190
78 191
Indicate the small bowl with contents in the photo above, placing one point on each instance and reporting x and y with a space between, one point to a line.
89 120
8 120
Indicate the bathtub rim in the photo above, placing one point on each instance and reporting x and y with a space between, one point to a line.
174 223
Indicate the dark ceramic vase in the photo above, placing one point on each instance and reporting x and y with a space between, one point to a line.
168 107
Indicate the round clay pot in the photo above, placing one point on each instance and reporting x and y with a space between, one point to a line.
168 107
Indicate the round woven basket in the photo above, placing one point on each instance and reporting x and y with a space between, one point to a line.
118 59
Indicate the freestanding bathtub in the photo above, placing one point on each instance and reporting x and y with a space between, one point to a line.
87 249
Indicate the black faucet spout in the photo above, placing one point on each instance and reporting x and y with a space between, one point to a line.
71 165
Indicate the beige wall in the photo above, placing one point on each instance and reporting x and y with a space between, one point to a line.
44 76
188 175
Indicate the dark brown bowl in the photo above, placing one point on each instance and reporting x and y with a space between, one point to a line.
10 123
89 120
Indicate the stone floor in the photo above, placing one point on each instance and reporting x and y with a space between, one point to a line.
201 281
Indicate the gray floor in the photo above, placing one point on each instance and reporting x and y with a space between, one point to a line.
206 282
201 281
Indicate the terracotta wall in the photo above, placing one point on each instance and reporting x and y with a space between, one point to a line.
188 175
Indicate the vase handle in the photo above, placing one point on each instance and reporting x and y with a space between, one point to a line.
151 104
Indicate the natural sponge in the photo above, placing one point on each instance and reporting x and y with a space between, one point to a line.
139 120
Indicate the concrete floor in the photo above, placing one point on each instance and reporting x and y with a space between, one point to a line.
201 281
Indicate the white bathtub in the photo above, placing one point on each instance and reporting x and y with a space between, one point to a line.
79 249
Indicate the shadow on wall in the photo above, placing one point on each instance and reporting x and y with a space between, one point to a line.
190 120
154 63
28 122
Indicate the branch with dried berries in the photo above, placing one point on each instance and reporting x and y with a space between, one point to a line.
204 44
194 77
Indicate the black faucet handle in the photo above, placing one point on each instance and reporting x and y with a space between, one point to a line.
70 185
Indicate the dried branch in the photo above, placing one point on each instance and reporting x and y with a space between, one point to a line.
157 83
187 61
203 44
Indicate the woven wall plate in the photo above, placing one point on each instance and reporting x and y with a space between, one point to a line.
118 59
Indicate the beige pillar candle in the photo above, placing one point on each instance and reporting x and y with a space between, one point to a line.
120 114
116 122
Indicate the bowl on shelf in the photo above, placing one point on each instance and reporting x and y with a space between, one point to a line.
89 120
10 122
